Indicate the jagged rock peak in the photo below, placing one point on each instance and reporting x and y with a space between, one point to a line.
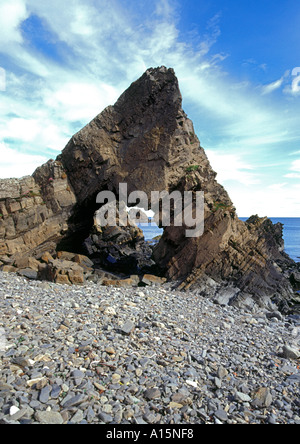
150 86
147 141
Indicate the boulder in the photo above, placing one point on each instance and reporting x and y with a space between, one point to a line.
62 272
149 279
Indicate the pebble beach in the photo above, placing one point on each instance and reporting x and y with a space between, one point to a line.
92 354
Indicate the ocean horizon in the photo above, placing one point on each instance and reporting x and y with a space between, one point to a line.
291 234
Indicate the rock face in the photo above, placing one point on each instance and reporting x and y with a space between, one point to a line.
34 211
146 141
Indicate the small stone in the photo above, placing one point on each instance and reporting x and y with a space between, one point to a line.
99 387
56 389
110 351
5 387
239 396
222 372
107 408
140 421
45 394
289 352
175 405
24 412
13 410
153 393
78 417
221 415
144 362
110 311
116 378
40 383
150 418
192 383
21 362
181 397
138 372
177 358
90 414
262 398
78 377
127 328
49 418
65 388
218 382
73 401
105 417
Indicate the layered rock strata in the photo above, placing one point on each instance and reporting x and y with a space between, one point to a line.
146 141
34 211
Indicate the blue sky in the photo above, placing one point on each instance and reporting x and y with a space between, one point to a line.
62 62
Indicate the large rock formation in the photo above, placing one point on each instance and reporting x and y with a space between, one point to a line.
146 141
34 211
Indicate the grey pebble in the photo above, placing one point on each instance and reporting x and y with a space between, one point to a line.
48 417
221 415
45 394
105 417
127 328
164 358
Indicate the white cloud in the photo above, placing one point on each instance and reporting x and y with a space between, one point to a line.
24 129
277 186
296 84
104 48
294 153
293 88
164 9
267 89
18 164
231 167
80 100
81 24
271 201
293 175
295 168
12 14
295 165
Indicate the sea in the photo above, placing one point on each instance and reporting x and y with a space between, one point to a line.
291 234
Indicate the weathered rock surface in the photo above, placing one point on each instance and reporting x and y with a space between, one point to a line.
146 141
34 211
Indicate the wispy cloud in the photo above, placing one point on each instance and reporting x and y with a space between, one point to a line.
279 200
295 170
100 48
267 89
19 165
12 14
231 168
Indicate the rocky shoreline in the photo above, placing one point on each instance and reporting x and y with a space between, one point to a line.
97 326
146 142
93 354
